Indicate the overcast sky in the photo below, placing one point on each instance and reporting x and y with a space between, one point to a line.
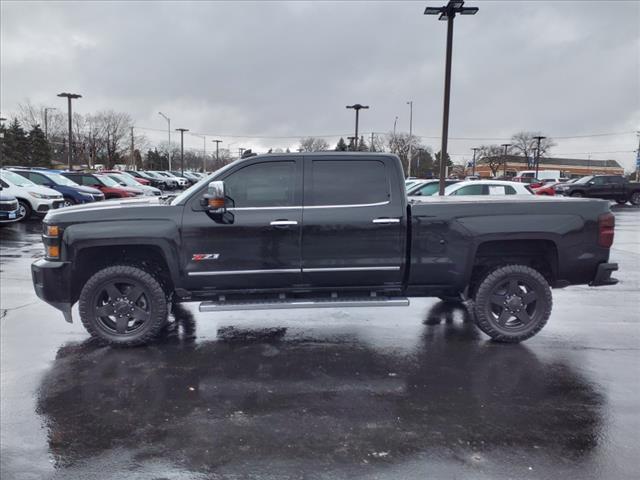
289 68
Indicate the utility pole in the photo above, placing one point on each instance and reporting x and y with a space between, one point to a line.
357 107
46 128
448 13
169 133
371 144
473 165
217 142
69 97
181 130
2 120
133 149
638 157
240 150
410 103
504 164
538 138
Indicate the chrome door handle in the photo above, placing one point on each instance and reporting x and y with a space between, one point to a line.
283 223
386 220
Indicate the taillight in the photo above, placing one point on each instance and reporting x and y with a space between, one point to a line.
606 224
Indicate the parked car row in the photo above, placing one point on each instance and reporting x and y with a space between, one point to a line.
606 187
35 191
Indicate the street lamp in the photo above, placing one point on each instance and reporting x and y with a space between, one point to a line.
181 130
217 142
504 166
448 13
69 97
169 133
538 138
473 165
357 107
46 129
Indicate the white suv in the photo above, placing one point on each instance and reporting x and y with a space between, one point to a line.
32 198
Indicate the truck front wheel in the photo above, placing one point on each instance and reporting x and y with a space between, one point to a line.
512 303
123 305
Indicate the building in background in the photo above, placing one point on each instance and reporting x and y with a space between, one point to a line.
570 167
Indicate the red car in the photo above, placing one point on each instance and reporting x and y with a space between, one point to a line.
141 181
546 189
533 182
104 183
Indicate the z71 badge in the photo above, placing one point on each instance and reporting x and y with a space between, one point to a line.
197 257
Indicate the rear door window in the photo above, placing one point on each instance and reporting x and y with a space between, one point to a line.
496 190
353 182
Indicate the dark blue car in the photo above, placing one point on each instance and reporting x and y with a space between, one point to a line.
73 193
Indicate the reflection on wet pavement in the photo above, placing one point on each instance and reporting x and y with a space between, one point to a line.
390 393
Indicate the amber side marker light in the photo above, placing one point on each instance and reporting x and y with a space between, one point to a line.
53 230
53 251
216 203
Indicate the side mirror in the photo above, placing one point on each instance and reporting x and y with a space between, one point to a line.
591 183
214 199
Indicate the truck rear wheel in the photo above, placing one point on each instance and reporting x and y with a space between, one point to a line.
635 198
512 303
123 305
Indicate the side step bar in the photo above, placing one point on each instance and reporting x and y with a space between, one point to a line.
222 306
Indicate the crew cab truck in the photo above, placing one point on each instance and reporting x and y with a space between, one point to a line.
608 187
318 230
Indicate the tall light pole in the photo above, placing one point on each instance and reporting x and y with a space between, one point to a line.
69 97
168 133
204 142
473 165
217 142
46 128
538 138
181 130
448 13
410 103
2 120
504 165
357 107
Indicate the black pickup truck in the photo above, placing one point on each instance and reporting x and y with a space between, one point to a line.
318 230
606 187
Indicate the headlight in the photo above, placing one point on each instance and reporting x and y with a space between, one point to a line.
37 195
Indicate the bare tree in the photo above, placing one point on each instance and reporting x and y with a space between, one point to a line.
524 143
313 144
492 156
400 144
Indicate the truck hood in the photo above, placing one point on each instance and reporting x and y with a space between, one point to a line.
138 208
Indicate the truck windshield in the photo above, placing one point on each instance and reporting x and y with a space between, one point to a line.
208 177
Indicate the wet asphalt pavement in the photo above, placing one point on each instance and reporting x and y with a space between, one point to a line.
408 393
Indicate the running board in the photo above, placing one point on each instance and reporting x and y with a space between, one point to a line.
222 306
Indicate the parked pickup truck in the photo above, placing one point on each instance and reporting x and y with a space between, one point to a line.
608 187
318 230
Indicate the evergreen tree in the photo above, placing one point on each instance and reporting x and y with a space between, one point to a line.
39 149
287 150
15 145
341 145
362 146
436 164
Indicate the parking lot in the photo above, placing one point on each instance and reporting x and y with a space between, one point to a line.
414 392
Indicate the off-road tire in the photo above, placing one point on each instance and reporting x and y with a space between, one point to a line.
154 296
484 303
621 201
635 198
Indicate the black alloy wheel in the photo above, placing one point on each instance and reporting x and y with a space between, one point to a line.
123 305
513 303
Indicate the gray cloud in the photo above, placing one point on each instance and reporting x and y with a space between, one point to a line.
289 68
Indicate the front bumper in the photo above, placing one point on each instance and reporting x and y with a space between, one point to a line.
603 275
52 283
